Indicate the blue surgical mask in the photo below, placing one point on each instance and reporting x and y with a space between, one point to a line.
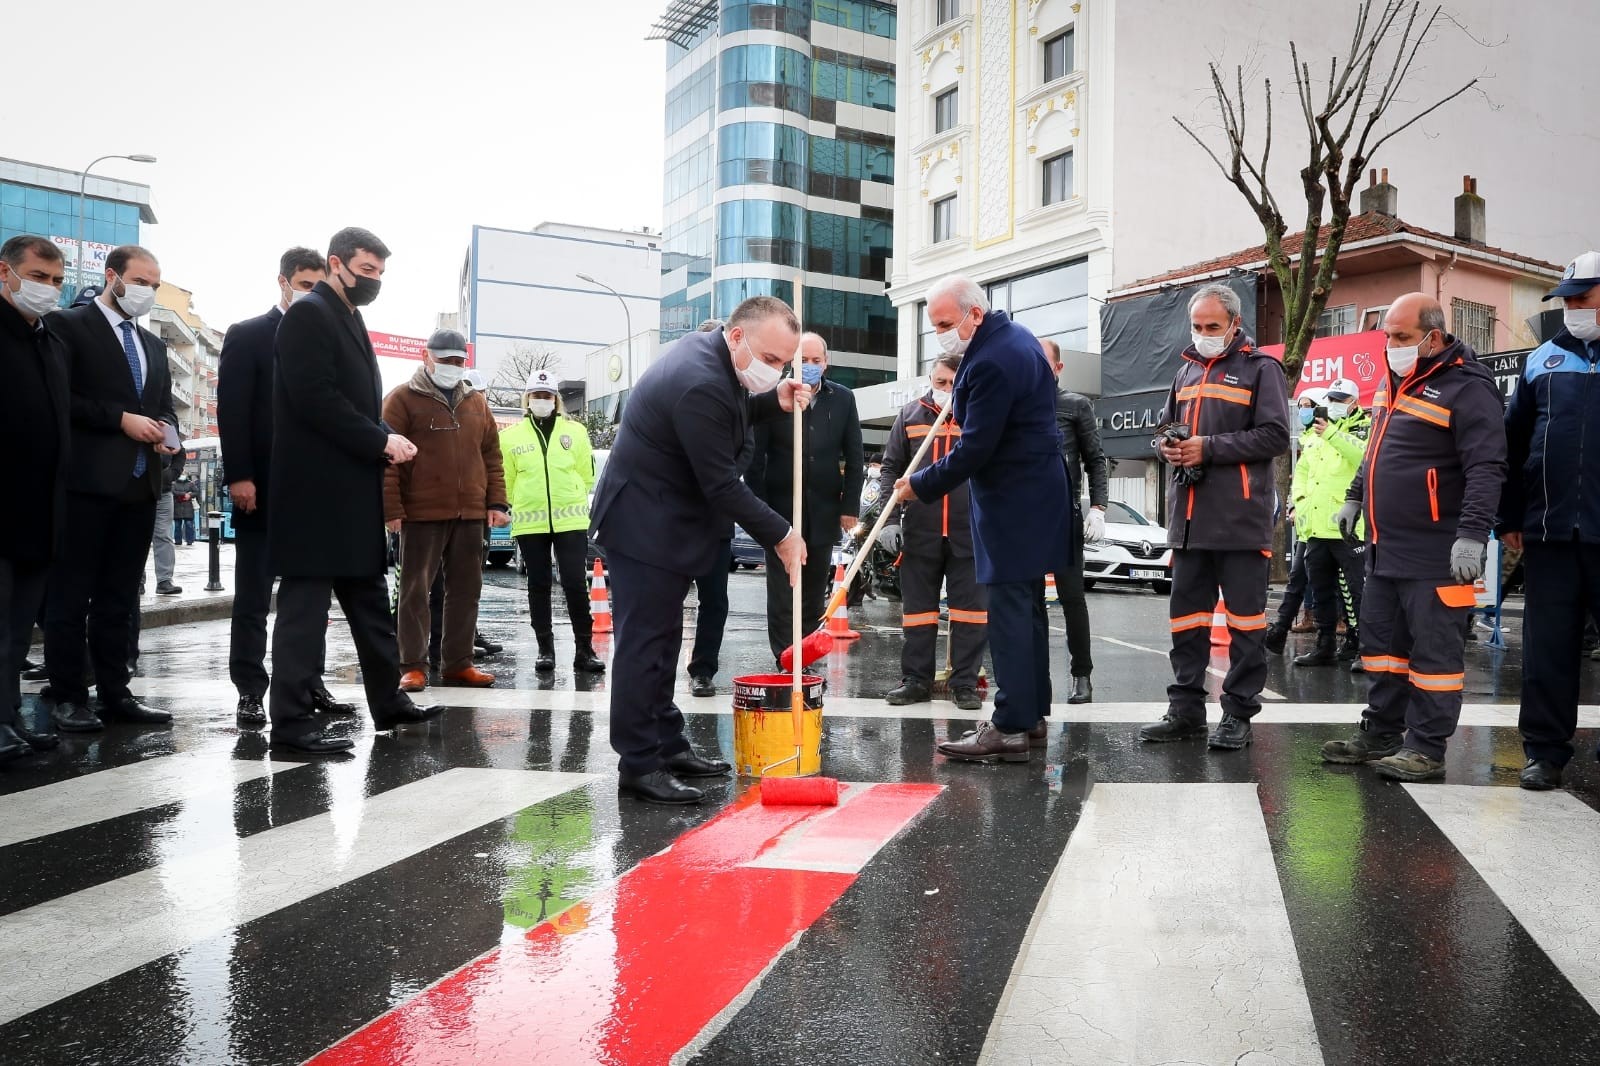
810 374
1307 416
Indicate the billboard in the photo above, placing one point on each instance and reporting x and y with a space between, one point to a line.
1357 356
397 347
94 258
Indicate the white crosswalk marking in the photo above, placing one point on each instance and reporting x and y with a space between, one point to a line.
1536 850
122 790
1161 938
72 943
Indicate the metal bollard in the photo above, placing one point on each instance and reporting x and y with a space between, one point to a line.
214 532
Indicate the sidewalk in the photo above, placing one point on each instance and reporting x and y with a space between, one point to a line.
191 570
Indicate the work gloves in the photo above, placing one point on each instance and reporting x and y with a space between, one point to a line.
1094 526
889 539
1347 518
1466 560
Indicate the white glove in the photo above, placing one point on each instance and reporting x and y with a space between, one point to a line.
1094 526
889 539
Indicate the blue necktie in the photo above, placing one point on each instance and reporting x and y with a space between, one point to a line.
132 352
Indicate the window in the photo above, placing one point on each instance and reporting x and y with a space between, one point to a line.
1058 56
946 11
1473 323
1058 178
1374 317
944 111
944 219
1337 321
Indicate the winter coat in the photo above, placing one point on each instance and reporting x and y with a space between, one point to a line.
549 474
1553 488
834 464
182 499
457 471
1328 463
924 525
37 436
1080 443
244 410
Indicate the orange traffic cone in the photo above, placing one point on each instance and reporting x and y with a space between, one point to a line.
839 621
1220 638
1050 594
600 599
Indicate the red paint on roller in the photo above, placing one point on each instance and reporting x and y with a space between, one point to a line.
816 645
799 792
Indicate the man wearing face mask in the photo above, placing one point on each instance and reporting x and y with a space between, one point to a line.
330 451
665 501
1427 491
122 417
1235 405
1297 593
832 475
36 434
934 541
1550 508
438 503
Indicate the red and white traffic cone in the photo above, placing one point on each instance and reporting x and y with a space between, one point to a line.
600 599
1220 637
839 621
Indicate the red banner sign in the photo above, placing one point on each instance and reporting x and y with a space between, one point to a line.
396 347
1357 356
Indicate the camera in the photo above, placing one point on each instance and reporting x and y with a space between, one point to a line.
1172 433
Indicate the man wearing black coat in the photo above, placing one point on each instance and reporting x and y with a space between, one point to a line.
244 420
37 427
661 511
831 478
121 416
330 449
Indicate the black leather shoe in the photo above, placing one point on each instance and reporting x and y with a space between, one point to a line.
966 698
314 744
1350 648
75 718
250 711
1082 691
167 588
129 709
36 673
701 686
1540 775
322 701
909 692
1231 734
487 646
11 745
547 655
1324 654
689 764
585 661
659 786
407 713
1173 727
1277 636
36 741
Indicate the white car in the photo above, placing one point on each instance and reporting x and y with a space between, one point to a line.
1134 552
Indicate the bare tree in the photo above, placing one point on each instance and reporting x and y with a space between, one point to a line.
505 389
1345 122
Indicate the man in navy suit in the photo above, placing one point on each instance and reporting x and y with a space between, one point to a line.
121 414
1004 398
661 510
244 420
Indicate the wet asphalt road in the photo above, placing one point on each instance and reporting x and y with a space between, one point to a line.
450 895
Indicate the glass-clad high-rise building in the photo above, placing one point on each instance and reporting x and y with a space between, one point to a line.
780 166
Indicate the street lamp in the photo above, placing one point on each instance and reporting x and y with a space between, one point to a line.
627 319
83 181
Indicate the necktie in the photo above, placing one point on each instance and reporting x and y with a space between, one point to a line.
132 352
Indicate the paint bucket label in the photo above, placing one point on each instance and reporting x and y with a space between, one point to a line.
763 726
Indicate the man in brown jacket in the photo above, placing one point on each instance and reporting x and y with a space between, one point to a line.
438 504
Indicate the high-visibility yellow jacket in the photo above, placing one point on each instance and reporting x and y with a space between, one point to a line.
1327 465
548 475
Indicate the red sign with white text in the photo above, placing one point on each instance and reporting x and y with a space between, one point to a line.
1357 356
396 347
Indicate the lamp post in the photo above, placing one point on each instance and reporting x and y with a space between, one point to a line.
626 316
83 181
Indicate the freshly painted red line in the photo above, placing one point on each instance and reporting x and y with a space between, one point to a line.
632 975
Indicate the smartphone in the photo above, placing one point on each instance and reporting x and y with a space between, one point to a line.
169 436
1319 414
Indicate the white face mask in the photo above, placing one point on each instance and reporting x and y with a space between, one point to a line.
446 376
1210 347
541 408
1403 360
1337 411
941 398
296 295
1581 322
136 300
951 341
35 297
758 377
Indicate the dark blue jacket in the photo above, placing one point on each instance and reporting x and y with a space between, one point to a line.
1553 491
1010 452
672 483
244 409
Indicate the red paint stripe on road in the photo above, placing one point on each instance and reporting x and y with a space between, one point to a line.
635 973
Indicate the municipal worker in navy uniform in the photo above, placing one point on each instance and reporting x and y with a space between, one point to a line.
1004 400
1428 490
1235 402
1550 508
662 508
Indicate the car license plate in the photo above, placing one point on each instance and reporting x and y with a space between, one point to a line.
1149 575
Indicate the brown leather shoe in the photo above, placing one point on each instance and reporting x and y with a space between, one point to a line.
988 744
1039 735
471 677
413 681
1304 624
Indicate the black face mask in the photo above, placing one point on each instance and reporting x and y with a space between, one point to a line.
363 290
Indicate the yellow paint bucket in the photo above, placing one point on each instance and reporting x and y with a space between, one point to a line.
763 725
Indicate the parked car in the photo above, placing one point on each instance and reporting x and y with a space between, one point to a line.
500 550
747 554
1134 552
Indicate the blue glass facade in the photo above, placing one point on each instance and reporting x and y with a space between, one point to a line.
759 197
52 213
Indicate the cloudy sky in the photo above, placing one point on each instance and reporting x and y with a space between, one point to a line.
276 124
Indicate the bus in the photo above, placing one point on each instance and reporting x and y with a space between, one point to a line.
202 461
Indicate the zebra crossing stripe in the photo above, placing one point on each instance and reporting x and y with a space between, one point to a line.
72 943
1536 850
121 790
1162 937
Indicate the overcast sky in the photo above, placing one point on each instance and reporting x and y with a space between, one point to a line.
276 124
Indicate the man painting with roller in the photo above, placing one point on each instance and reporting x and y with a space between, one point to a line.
1009 451
661 509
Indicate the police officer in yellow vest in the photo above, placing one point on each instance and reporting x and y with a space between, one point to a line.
549 474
